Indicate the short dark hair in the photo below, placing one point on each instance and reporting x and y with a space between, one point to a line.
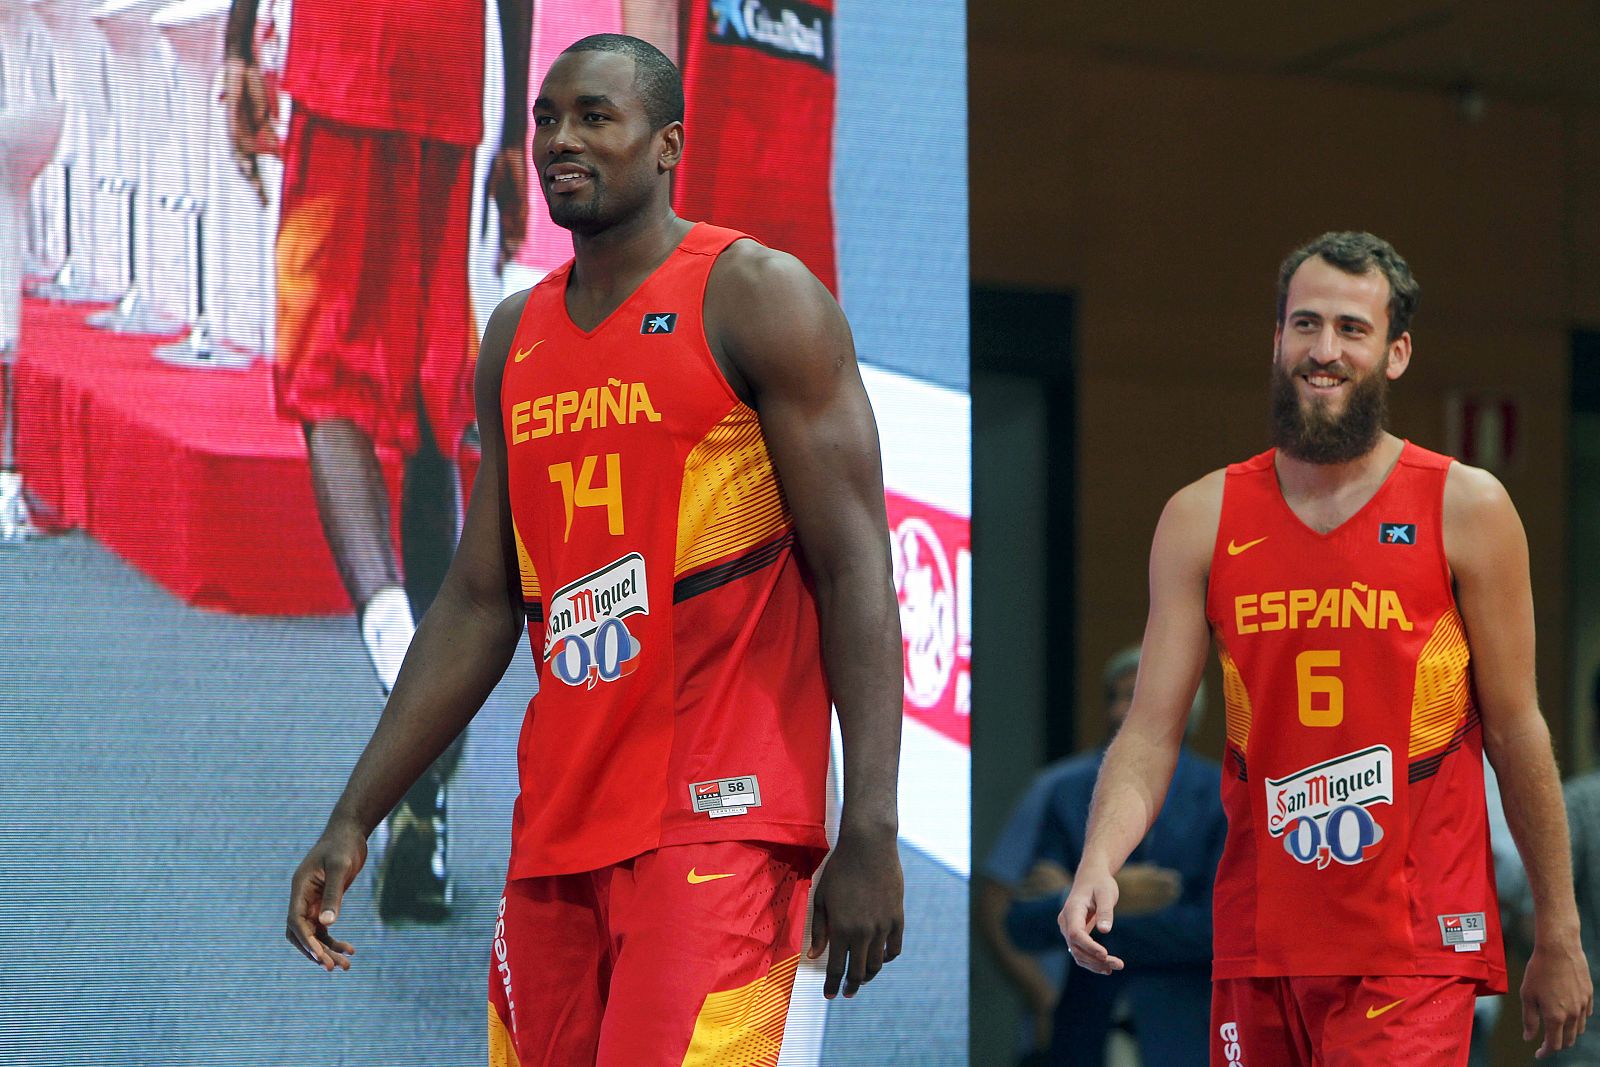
654 75
1356 252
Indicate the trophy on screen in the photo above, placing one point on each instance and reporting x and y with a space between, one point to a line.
71 50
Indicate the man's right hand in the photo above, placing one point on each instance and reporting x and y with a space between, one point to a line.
251 109
315 895
1089 908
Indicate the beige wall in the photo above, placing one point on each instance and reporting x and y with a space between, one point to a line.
1165 198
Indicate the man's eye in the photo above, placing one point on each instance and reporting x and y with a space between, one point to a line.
542 120
595 116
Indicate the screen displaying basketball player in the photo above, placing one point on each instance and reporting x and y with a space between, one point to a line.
253 277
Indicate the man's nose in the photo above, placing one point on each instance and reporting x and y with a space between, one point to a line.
563 139
1326 348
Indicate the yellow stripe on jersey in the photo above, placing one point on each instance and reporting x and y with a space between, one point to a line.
1443 692
731 499
1235 700
744 1027
530 577
502 1052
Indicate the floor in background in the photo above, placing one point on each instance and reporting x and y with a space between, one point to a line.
162 770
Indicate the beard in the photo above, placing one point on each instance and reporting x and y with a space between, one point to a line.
1312 433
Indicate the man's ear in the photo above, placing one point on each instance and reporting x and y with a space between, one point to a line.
671 147
1399 356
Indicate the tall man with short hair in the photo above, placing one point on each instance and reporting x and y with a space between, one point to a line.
1371 607
681 498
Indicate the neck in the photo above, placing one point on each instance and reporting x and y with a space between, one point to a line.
1299 478
612 256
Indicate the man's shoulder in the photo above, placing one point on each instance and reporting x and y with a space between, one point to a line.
749 269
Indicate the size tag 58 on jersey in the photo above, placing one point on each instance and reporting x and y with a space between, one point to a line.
1466 932
723 797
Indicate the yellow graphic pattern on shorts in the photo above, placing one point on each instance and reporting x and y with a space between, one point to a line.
731 499
502 1052
1443 693
1235 700
530 577
744 1027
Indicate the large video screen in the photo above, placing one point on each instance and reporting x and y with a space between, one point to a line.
186 683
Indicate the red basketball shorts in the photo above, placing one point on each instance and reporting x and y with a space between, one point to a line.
1418 1021
374 317
683 955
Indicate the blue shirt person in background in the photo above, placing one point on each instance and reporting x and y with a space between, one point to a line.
1164 914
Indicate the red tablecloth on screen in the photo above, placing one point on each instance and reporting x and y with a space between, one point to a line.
189 475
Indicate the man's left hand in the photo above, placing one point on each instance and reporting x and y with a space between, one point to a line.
859 911
1557 992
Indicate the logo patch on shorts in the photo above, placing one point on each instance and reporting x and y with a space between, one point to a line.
722 797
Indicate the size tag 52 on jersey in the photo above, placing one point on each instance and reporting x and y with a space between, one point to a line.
1466 932
723 797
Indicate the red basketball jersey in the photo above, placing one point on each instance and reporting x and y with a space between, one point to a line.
681 694
1358 840
758 83
407 66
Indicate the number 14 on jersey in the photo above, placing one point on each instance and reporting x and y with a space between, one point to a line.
580 490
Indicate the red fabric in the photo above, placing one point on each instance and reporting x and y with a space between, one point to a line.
413 66
374 310
1354 758
655 542
611 967
758 121
188 475
1421 1021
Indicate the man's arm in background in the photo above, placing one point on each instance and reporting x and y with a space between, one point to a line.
508 170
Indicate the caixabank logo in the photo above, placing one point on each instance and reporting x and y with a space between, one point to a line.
788 29
1321 812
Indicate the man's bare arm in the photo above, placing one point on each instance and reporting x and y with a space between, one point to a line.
461 649
1139 764
507 181
795 362
1488 554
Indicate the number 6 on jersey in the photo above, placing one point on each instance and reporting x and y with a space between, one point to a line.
1311 685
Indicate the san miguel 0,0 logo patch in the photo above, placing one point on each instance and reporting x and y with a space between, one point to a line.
1321 811
586 640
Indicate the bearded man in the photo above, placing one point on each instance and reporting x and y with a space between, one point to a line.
1371 608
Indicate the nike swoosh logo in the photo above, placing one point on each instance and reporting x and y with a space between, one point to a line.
1235 549
523 354
1373 1013
696 879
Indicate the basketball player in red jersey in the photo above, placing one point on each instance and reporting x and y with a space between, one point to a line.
375 330
1371 607
681 499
